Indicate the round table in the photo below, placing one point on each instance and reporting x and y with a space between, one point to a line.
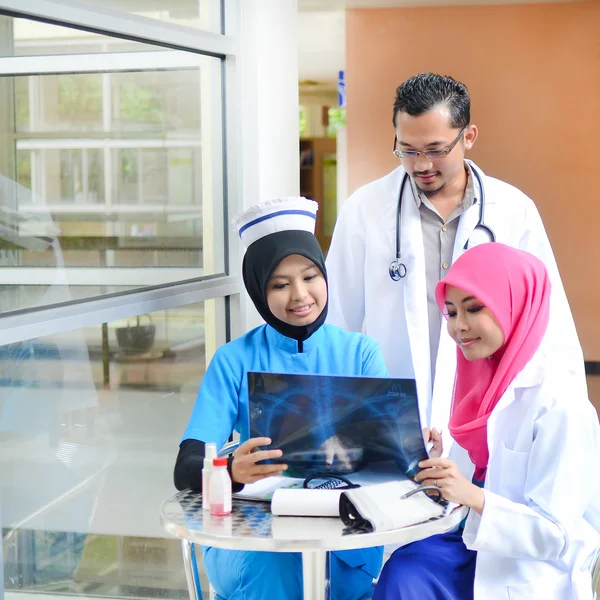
251 526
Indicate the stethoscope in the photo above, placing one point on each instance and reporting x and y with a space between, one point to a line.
397 267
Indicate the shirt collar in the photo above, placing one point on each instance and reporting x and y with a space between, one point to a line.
290 345
468 200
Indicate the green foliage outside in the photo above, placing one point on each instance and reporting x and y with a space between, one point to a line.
337 118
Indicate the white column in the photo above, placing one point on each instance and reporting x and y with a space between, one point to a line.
263 117
342 166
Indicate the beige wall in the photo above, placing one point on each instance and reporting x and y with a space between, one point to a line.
534 76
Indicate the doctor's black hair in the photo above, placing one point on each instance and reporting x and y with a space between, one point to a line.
420 93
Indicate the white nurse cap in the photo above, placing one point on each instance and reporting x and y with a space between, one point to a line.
282 214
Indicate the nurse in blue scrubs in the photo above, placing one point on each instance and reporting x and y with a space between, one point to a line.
284 274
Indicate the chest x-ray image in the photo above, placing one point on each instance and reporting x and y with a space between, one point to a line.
338 425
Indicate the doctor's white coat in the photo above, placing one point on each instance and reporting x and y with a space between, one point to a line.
361 292
537 538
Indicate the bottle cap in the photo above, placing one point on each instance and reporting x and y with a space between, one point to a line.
220 462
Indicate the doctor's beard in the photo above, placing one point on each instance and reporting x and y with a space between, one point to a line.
429 192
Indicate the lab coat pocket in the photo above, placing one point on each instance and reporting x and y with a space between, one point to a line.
512 473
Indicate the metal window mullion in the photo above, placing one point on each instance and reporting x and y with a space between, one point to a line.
75 315
109 181
106 103
140 177
35 183
119 24
85 173
94 276
32 89
232 170
25 143
99 62
43 184
30 143
115 208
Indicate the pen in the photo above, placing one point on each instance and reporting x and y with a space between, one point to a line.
429 447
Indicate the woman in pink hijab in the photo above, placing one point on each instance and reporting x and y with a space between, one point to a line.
533 437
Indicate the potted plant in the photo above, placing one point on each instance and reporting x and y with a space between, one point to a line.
136 338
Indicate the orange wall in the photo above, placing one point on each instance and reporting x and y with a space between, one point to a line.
534 76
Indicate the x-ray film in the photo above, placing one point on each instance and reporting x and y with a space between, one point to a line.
338 425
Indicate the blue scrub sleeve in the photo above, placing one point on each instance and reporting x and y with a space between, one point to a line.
373 364
215 412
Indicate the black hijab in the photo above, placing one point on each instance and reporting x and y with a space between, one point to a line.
260 261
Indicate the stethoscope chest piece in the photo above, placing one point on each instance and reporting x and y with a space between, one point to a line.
397 267
397 270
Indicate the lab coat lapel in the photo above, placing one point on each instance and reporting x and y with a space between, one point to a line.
531 375
466 225
445 369
445 366
443 385
469 219
392 189
415 299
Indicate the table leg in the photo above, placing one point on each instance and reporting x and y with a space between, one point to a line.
1 551
315 575
189 568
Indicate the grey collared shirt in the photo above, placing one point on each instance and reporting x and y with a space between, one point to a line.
438 245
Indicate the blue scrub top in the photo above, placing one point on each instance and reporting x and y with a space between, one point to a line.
222 402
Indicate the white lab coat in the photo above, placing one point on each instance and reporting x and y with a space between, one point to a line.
538 536
361 292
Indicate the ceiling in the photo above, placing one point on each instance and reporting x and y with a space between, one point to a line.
321 46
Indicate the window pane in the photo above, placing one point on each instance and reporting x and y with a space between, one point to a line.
127 175
156 101
158 176
201 14
115 172
90 422
24 158
22 115
24 37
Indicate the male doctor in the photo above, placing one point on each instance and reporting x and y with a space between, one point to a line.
447 205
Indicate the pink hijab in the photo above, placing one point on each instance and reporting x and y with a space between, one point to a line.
515 286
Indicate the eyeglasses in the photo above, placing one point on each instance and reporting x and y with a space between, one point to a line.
430 154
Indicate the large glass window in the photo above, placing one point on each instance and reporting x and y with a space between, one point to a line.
90 424
202 14
112 204
30 38
117 170
34 38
